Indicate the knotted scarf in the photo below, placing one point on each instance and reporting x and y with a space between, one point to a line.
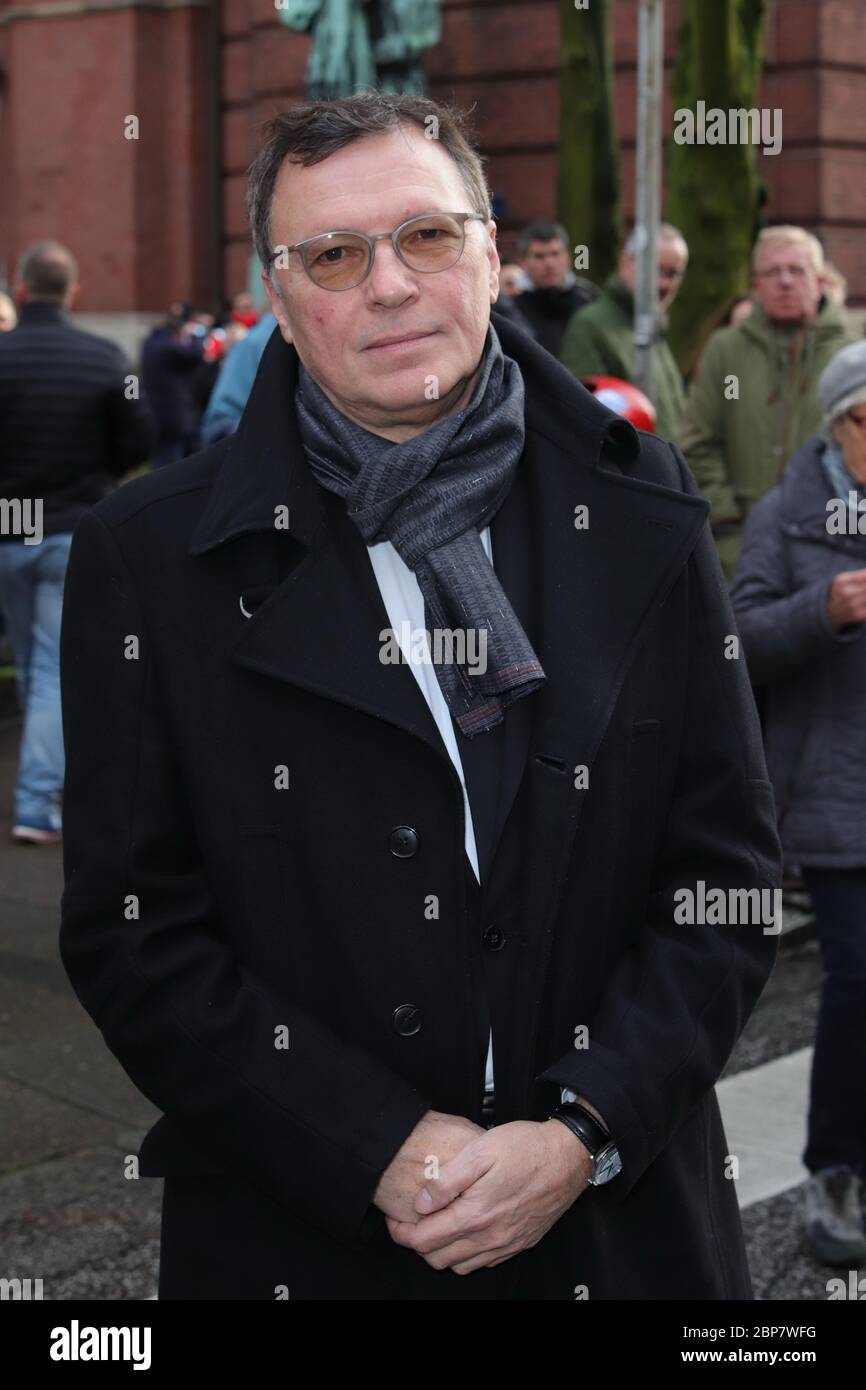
430 497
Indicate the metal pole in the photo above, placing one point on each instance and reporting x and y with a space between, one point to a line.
648 187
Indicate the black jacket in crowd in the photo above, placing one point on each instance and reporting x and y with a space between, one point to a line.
258 815
67 427
171 365
549 311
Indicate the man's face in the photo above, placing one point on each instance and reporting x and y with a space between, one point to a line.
670 269
511 280
372 186
546 263
785 284
671 261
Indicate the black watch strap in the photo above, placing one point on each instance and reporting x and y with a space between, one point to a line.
583 1124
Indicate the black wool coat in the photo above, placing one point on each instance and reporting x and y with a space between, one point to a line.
246 928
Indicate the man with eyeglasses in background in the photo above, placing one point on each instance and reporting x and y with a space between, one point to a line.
599 340
753 400
394 950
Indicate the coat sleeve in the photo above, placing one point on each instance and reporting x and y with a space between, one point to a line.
679 995
702 436
783 629
312 1124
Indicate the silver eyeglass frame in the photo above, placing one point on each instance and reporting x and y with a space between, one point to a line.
462 217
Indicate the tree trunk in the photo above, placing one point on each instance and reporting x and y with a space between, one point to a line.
588 186
714 192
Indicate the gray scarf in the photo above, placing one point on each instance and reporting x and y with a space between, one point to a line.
430 497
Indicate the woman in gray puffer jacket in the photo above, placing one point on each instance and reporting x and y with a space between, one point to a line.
799 594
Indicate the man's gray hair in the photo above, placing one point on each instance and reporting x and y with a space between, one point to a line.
666 232
47 269
311 131
542 231
786 235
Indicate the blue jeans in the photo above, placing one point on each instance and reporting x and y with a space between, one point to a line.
837 1102
31 596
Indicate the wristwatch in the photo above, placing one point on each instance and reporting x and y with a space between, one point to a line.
606 1162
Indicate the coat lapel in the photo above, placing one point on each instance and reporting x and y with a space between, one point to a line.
316 611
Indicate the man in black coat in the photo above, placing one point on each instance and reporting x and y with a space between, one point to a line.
557 293
72 422
396 943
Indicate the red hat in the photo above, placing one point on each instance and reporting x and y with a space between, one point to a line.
625 399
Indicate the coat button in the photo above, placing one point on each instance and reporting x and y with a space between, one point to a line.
493 939
403 842
407 1020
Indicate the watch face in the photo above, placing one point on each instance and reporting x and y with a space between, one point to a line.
607 1164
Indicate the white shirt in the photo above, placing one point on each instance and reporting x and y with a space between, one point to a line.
404 604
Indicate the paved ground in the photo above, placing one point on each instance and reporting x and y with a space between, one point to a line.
69 1116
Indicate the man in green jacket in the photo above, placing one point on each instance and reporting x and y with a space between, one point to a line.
599 340
754 401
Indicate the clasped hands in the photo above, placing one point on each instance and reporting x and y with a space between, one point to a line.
498 1191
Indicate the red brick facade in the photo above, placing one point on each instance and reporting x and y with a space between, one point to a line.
163 217
138 214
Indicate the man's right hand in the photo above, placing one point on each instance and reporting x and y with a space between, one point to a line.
846 598
436 1136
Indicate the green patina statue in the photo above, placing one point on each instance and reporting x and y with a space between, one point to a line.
364 43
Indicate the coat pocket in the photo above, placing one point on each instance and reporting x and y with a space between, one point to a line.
641 826
264 880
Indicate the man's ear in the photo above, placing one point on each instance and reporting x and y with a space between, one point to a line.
278 308
494 261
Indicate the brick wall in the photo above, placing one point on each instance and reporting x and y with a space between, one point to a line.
163 217
137 214
502 56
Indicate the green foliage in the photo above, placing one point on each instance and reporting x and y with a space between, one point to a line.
588 185
714 191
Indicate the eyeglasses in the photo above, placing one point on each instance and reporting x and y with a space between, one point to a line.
776 272
341 260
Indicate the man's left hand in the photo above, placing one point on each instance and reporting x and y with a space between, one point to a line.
498 1196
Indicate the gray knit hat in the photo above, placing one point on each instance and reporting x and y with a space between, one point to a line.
843 382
